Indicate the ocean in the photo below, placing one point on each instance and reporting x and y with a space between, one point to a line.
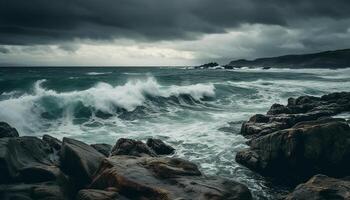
198 112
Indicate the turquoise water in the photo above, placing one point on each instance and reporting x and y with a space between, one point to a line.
199 112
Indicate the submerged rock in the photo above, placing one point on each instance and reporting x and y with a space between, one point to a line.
160 147
79 160
26 159
322 187
7 131
105 149
163 178
132 147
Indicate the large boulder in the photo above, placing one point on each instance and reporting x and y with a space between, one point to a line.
308 148
79 160
7 131
160 147
160 178
26 159
132 147
105 149
321 187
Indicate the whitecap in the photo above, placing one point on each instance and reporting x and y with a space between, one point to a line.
97 73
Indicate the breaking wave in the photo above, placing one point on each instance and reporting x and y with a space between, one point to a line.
103 100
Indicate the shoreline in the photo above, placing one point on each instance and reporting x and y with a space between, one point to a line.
287 142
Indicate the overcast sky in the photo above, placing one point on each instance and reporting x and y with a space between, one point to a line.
166 32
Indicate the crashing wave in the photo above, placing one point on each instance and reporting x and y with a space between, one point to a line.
101 100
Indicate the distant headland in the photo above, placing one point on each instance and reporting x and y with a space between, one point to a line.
327 59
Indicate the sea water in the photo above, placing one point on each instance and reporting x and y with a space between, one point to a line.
198 112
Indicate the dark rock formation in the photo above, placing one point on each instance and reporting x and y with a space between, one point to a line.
308 148
26 159
7 131
163 178
79 160
132 147
91 194
30 169
207 65
105 149
36 191
299 140
53 142
160 147
327 59
321 187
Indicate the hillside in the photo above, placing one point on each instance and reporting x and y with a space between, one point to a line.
327 59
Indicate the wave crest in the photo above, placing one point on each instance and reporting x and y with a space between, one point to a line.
102 98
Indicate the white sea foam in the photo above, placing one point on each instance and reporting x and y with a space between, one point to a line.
97 73
26 109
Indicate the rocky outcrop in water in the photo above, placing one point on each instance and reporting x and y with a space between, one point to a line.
40 169
299 140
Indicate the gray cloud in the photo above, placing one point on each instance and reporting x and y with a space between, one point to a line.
44 22
32 31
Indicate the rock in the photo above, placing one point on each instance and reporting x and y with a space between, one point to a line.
132 147
161 178
278 109
7 131
38 191
321 187
308 148
259 118
79 160
104 149
53 142
26 159
207 65
160 147
91 194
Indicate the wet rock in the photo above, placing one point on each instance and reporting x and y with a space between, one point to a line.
160 147
259 118
53 142
105 149
160 178
132 147
26 159
278 109
91 194
308 148
79 160
7 131
321 187
38 191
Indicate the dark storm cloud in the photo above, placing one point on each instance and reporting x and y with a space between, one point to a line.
33 22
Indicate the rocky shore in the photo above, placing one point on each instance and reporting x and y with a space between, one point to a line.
300 141
47 168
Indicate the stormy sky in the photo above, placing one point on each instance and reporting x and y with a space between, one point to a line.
166 32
